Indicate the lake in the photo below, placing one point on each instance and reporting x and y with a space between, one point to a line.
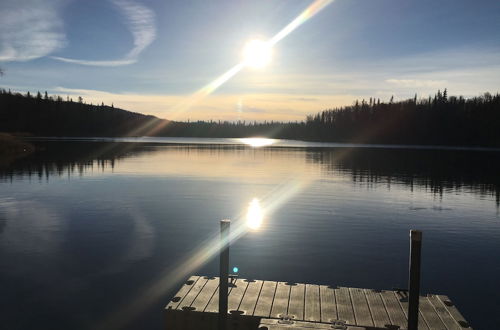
100 233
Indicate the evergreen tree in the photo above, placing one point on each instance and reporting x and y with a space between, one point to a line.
456 121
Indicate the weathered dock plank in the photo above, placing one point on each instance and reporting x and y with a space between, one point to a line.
448 320
450 307
360 306
236 295
213 305
296 303
312 308
250 298
265 301
377 308
193 293
403 300
328 304
430 315
280 303
203 298
303 306
184 290
270 324
344 305
394 309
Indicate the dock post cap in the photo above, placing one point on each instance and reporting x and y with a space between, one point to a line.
415 235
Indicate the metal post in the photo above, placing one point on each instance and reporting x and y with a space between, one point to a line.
225 226
414 280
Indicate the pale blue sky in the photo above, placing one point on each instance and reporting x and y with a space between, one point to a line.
151 55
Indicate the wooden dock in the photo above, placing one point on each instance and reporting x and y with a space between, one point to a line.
256 304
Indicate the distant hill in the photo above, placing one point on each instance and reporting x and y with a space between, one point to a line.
51 116
439 120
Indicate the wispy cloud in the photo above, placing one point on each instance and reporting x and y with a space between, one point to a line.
29 29
141 22
96 63
417 82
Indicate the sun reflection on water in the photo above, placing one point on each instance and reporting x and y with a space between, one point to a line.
257 142
254 215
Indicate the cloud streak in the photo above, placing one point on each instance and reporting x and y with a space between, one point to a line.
141 22
29 29
417 82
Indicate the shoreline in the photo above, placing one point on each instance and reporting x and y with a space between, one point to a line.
11 148
276 143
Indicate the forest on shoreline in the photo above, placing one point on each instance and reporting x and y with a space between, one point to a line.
439 120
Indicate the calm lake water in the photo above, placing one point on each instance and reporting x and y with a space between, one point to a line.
101 234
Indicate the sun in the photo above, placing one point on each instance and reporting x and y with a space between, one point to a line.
257 53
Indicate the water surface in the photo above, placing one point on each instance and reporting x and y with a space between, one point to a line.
101 233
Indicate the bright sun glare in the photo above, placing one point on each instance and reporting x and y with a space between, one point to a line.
254 214
257 142
257 53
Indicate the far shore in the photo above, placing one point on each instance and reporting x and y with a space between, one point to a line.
249 141
12 147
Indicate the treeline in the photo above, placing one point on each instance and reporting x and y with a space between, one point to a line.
52 116
46 115
238 129
437 120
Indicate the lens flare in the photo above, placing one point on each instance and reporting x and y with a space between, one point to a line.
254 215
257 53
310 11
206 251
171 276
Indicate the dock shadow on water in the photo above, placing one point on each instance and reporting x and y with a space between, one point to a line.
85 227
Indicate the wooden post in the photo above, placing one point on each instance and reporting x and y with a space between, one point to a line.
414 278
225 226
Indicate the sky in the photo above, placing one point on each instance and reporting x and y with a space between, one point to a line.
157 56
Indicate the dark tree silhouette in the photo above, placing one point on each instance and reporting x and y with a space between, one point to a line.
51 116
441 120
438 120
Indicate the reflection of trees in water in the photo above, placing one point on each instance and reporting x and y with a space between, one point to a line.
70 158
60 158
438 171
